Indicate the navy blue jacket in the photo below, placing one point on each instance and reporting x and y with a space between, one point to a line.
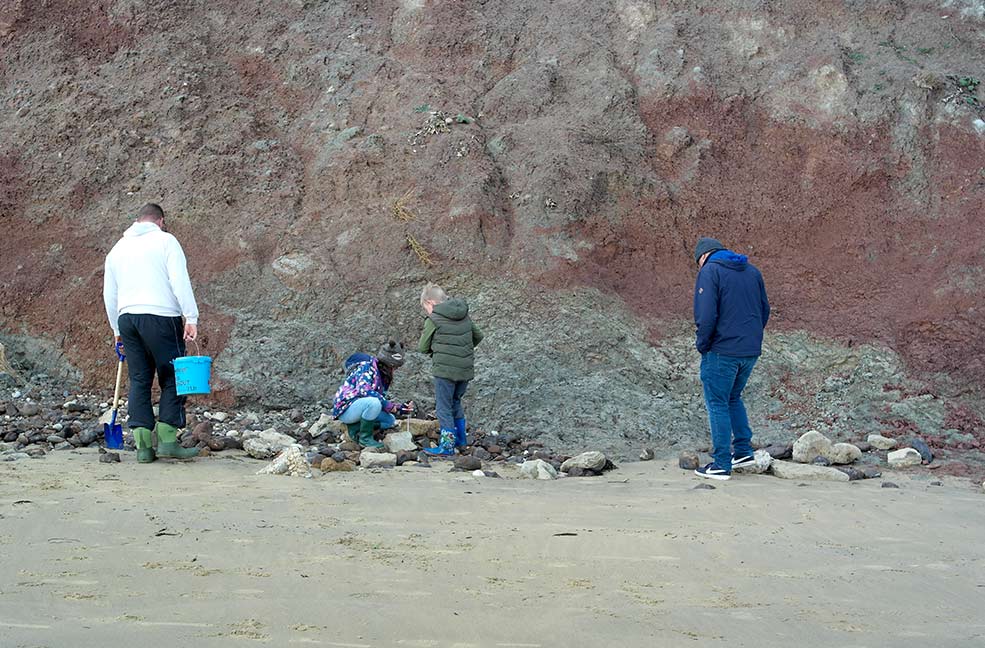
730 306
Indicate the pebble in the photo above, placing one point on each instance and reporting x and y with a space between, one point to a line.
28 409
54 439
110 457
15 456
329 464
647 455
368 459
780 451
481 454
688 461
880 442
904 458
537 469
886 484
703 487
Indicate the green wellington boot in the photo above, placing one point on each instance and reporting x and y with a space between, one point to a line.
353 431
168 446
145 446
366 439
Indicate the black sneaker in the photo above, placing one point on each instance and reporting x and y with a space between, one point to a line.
739 462
711 471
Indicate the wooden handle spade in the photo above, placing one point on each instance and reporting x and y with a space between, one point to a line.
116 394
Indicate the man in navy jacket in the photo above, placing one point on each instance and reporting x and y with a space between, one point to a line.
730 313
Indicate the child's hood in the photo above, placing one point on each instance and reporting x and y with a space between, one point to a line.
453 309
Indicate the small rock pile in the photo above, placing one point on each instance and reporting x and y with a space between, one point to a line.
815 457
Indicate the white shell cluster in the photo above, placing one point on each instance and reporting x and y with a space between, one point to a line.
291 462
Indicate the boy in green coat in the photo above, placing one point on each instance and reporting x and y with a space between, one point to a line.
450 339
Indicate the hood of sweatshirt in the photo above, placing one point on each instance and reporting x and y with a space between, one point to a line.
730 260
139 229
453 309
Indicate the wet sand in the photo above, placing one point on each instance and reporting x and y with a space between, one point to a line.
207 553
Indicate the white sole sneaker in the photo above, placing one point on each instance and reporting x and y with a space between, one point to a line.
718 476
745 461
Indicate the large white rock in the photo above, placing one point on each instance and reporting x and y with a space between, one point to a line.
843 453
537 469
762 463
791 470
592 460
266 444
372 459
810 446
904 458
880 442
399 442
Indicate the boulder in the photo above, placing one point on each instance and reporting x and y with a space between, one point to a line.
904 458
370 459
810 446
843 453
591 460
763 461
397 442
267 444
921 446
780 450
537 469
791 470
421 427
880 442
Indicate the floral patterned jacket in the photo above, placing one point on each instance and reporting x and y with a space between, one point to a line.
363 381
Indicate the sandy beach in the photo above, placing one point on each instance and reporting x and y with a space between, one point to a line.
207 553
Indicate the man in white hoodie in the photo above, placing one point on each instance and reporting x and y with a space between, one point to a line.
147 293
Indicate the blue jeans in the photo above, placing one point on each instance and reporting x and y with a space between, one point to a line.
370 409
724 378
448 401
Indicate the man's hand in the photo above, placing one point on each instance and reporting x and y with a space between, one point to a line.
191 332
119 348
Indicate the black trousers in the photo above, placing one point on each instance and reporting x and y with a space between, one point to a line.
150 343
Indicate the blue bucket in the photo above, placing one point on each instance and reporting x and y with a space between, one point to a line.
192 375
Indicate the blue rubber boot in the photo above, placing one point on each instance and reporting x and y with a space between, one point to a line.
461 440
445 447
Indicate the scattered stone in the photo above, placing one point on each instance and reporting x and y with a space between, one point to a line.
810 446
904 458
202 431
28 409
647 455
494 449
316 459
54 439
918 444
780 450
36 452
821 461
15 456
204 451
537 469
880 442
322 425
64 445
762 462
936 483
870 471
478 473
349 446
703 487
864 446
339 455
218 416
853 473
792 470
421 428
688 461
110 457
233 443
371 459
481 454
406 456
396 442
296 415
886 484
329 464
267 444
491 473
76 406
467 463
844 453
592 460
578 471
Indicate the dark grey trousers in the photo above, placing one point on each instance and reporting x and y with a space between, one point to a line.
150 343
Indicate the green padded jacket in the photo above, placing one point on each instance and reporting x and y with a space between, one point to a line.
450 338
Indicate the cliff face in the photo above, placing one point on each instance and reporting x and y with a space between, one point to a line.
553 163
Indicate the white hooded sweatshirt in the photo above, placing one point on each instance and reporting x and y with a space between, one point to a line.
146 273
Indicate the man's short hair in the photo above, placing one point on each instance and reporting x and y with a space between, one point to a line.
150 212
433 292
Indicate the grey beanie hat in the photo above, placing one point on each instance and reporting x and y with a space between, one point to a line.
391 354
706 245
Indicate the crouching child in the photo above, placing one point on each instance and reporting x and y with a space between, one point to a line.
450 338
